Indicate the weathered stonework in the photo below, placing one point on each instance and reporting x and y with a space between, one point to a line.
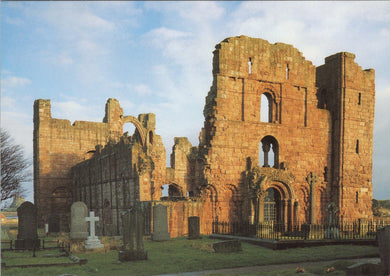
245 168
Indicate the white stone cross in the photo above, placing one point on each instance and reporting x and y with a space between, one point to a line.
92 219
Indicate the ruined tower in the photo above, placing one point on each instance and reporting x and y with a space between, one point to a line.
348 92
310 147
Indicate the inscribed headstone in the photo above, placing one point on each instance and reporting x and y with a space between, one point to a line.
193 228
160 223
78 224
27 227
133 245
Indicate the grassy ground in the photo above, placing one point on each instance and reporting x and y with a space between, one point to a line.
182 255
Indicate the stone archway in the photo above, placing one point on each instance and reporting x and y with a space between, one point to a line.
141 130
271 190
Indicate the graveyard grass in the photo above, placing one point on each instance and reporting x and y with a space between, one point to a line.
183 255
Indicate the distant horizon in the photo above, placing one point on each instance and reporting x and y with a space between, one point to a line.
157 57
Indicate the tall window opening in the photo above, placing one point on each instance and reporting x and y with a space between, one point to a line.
360 99
287 72
250 66
357 198
266 108
357 146
269 152
272 205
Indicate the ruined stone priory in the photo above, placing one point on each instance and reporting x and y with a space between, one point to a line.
282 141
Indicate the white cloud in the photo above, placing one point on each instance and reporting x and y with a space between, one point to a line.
75 20
14 82
143 89
75 111
191 11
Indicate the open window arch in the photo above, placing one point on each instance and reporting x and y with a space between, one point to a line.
269 152
172 191
269 107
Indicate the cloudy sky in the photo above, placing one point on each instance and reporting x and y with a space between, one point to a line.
157 57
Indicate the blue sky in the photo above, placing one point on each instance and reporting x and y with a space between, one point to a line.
157 57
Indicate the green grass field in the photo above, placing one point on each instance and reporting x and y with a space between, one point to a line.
182 255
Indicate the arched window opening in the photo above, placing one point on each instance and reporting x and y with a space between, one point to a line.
272 205
266 108
250 66
171 191
287 72
128 129
357 146
269 152
151 137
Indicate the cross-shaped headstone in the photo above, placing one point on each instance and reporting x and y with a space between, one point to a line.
92 219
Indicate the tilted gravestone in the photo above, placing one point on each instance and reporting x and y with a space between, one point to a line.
383 235
133 245
193 228
160 223
78 224
27 227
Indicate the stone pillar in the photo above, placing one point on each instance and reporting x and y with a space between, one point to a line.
284 213
289 215
261 208
296 212
312 181
266 148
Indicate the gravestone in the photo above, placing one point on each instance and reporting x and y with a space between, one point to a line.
92 242
160 223
78 224
46 229
27 227
227 246
193 228
133 245
383 236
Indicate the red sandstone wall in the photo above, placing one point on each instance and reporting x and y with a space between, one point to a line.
58 146
233 130
352 103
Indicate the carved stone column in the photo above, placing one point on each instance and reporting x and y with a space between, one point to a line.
312 181
261 208
296 212
284 208
266 147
